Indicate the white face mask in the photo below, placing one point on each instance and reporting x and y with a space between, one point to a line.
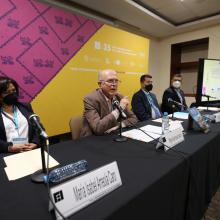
176 84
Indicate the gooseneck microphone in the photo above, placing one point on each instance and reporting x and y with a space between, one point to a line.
209 96
175 102
35 120
116 104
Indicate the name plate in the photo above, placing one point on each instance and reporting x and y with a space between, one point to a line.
75 194
171 139
217 117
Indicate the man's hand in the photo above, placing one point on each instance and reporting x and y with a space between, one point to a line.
124 102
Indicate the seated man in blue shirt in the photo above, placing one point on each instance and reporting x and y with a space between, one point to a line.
144 103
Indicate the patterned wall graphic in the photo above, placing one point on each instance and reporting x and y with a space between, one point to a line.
37 40
55 56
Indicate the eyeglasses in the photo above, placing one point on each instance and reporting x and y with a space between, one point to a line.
112 81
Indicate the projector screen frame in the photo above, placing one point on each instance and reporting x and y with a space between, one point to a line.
199 101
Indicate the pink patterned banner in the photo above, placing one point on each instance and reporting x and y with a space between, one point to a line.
37 40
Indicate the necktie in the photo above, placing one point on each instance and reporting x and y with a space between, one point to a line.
155 111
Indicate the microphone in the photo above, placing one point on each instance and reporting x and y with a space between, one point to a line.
208 96
178 103
35 120
116 104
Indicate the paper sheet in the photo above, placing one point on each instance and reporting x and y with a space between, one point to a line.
209 108
170 120
181 115
139 135
26 163
175 125
152 129
158 129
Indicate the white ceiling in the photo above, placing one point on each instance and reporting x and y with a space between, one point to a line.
158 18
179 12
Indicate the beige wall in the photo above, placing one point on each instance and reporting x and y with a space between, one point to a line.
160 52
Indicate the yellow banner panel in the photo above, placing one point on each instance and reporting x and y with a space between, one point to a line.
108 48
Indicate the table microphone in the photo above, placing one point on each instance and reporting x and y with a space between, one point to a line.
209 96
34 119
116 104
178 103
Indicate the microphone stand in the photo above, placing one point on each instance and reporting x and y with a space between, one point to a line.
208 97
173 110
207 103
120 138
38 176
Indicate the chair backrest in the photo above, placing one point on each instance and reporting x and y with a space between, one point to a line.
76 126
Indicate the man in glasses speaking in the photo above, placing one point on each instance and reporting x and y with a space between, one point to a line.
104 107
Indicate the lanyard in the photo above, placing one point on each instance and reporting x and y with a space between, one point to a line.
15 117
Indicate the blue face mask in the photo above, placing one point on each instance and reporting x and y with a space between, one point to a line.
11 99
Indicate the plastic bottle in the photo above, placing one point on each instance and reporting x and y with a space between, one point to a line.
165 123
70 170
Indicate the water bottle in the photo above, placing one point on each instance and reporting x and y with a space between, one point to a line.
165 123
70 170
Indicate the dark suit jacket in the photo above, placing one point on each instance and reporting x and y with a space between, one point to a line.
171 107
141 106
26 110
97 117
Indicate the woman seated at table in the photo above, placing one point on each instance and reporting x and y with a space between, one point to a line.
16 134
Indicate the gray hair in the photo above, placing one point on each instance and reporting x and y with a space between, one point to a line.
100 76
103 74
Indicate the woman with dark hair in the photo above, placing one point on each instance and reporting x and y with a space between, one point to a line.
16 134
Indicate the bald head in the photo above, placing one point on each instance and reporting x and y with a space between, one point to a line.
108 82
105 74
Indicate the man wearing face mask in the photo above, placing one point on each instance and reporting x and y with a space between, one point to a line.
144 102
174 93
16 134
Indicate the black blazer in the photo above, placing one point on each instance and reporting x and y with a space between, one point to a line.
141 106
26 110
171 107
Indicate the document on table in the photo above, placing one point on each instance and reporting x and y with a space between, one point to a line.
158 129
181 115
26 163
141 136
153 132
152 129
170 120
160 119
209 108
